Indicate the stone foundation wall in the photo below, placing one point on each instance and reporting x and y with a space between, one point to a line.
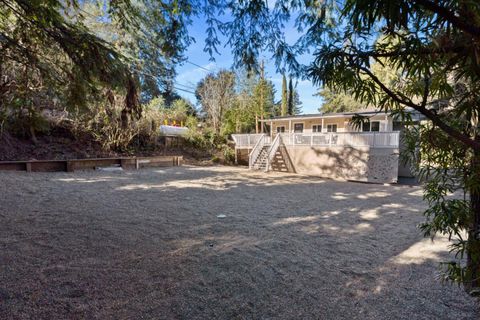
378 165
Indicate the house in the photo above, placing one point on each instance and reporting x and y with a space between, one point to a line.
327 145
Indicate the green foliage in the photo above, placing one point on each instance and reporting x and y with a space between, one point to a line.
284 106
338 102
263 98
290 102
206 140
234 106
445 169
228 154
432 49
57 55
106 127
216 94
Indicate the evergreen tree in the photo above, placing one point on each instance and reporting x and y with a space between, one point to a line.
297 104
284 108
291 102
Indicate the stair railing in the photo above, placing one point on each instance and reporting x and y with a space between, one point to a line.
252 157
272 150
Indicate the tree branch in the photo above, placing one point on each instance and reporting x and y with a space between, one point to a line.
451 17
426 112
396 53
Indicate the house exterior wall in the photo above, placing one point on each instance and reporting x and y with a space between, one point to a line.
379 165
374 163
386 124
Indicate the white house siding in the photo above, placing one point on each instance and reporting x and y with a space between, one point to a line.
343 123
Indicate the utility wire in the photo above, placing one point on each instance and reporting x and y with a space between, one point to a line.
178 84
184 90
185 86
197 65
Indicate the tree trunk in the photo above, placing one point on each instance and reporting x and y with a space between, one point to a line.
256 123
473 252
124 118
33 136
261 124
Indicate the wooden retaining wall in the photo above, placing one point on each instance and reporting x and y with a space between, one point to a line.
91 164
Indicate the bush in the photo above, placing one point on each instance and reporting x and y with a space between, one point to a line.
228 154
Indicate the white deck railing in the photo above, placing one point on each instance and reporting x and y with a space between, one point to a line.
252 157
353 139
246 140
272 150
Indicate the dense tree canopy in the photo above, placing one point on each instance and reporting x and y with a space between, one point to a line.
77 52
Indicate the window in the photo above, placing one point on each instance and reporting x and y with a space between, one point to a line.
281 129
316 128
298 127
371 126
331 128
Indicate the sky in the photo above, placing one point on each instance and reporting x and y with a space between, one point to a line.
198 62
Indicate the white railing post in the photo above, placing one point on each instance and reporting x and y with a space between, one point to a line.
255 151
272 150
354 139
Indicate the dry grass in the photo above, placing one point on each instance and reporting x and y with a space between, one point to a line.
149 245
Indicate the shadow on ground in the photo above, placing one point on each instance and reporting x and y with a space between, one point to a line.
148 244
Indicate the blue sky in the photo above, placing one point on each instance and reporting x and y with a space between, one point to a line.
189 75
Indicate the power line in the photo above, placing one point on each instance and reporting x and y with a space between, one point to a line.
197 65
178 84
184 90
182 85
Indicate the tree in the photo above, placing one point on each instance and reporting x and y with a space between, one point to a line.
216 94
297 104
434 45
428 52
263 98
86 50
344 101
338 102
284 107
294 104
290 102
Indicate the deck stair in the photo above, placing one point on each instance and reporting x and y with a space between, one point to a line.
281 161
260 163
271 156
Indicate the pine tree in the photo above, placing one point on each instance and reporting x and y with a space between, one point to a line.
284 97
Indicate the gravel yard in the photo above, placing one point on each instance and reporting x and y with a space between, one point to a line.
148 245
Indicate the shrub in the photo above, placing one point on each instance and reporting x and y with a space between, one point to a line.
228 153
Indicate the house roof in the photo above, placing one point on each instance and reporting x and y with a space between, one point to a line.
335 115
324 115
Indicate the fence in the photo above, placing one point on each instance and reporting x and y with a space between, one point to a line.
248 140
353 139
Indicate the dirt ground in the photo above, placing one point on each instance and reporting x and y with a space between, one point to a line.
148 245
